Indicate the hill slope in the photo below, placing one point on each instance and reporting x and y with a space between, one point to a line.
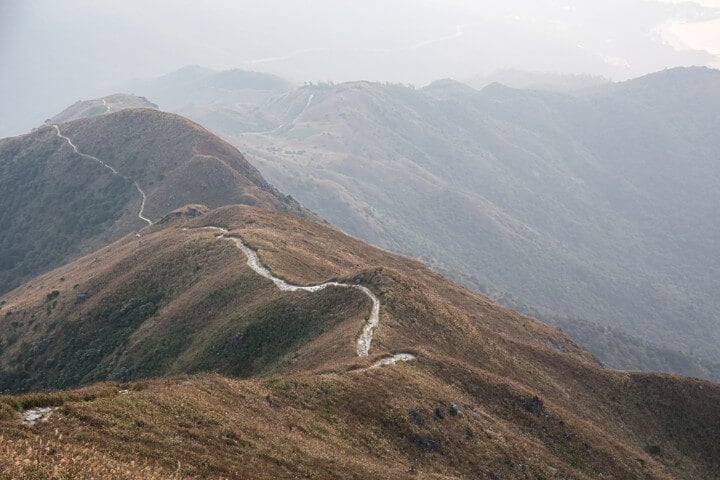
100 106
71 188
490 393
562 202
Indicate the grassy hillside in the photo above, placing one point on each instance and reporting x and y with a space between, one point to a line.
491 393
56 204
166 302
563 202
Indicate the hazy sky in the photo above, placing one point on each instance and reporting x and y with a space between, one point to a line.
55 52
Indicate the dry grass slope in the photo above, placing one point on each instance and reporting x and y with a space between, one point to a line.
492 394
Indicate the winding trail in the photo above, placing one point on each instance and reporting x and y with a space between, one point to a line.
115 172
307 105
364 341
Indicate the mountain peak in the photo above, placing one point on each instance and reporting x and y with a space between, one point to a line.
101 106
77 185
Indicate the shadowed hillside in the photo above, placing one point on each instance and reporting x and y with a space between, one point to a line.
57 202
490 393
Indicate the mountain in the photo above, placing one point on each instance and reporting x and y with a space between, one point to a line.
194 85
562 202
220 98
100 106
68 189
551 82
261 381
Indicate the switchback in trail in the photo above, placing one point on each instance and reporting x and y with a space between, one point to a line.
364 341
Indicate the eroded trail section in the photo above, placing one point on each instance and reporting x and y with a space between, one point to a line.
364 341
34 415
141 215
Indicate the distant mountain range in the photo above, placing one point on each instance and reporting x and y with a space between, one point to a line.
70 188
551 82
598 205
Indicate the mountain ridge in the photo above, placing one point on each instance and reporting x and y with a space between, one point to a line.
525 180
75 186
489 392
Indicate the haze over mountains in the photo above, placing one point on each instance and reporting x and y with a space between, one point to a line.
551 82
238 104
554 202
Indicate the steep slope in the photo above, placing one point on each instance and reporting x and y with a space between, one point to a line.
100 106
489 393
70 188
562 202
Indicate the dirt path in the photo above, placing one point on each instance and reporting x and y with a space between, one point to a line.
141 215
364 341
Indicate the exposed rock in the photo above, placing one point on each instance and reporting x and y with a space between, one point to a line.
34 415
416 418
534 406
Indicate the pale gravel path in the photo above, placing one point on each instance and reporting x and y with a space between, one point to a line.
115 172
364 341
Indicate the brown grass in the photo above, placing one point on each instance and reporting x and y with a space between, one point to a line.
313 418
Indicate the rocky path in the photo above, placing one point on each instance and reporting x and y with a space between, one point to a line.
141 215
364 341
